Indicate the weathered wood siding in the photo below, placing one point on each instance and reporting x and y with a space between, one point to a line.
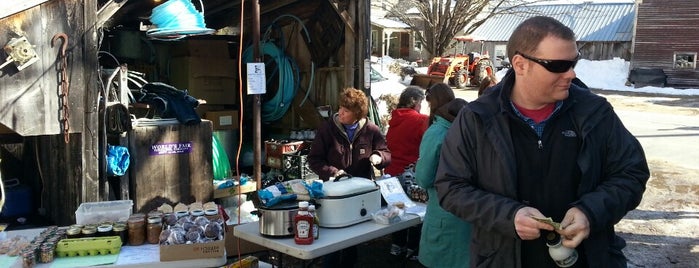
61 175
664 27
170 177
29 102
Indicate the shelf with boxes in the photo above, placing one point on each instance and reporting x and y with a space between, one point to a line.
275 150
289 157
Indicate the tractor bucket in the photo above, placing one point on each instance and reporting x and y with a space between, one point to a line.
426 81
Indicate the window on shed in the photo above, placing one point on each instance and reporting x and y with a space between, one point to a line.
374 42
685 60
417 45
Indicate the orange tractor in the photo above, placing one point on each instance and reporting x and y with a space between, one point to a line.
458 70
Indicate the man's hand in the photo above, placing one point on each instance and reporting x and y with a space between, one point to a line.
574 228
375 159
528 228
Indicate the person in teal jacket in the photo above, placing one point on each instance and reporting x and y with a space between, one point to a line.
442 232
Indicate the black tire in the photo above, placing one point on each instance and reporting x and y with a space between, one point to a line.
483 68
461 79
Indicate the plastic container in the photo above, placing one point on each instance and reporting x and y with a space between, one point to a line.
98 212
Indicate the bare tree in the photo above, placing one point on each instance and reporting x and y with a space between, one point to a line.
437 21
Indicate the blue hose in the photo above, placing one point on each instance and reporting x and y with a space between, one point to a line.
287 71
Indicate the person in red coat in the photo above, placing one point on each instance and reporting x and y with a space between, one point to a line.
403 138
405 130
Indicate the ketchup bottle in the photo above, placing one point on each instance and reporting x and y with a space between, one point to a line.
303 225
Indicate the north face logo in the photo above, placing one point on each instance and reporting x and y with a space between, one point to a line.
569 133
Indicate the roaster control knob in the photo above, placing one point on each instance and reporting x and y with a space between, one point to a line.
362 212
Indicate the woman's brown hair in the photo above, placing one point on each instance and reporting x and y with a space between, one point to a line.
354 100
438 95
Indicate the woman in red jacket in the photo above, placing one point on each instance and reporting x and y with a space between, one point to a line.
405 130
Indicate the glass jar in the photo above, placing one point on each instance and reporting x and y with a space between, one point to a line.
137 230
120 230
155 213
74 232
28 259
105 230
46 255
89 231
155 226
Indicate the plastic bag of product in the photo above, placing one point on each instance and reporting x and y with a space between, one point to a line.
117 160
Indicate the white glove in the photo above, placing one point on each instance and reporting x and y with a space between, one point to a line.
375 159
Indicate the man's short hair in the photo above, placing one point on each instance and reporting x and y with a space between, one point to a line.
528 34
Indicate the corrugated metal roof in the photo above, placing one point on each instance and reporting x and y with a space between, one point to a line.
591 22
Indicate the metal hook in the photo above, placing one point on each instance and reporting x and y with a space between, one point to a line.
65 42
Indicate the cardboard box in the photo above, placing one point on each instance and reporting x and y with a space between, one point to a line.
249 186
246 247
210 79
201 48
223 120
214 249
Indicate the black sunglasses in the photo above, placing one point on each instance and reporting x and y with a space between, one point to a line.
554 66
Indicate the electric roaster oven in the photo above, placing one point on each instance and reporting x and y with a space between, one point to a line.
347 200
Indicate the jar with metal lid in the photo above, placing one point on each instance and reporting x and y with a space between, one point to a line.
120 230
137 230
155 213
74 232
105 230
155 226
28 258
89 231
46 255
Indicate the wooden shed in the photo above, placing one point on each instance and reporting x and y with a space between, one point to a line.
666 38
53 133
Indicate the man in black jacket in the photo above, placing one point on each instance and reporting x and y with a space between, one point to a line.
541 145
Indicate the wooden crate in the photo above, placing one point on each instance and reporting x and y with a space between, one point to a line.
170 164
275 150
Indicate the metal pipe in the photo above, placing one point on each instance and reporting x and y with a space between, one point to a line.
257 100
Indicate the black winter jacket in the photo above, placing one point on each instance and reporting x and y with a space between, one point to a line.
476 179
331 150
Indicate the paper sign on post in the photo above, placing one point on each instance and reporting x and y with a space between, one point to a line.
256 78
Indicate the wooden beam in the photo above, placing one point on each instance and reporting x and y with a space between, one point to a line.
108 10
10 7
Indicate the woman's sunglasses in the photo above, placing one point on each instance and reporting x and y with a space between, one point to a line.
554 66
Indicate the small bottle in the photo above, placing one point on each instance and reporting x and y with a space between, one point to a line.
303 225
316 222
562 256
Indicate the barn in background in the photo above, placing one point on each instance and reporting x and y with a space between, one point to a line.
604 30
667 41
